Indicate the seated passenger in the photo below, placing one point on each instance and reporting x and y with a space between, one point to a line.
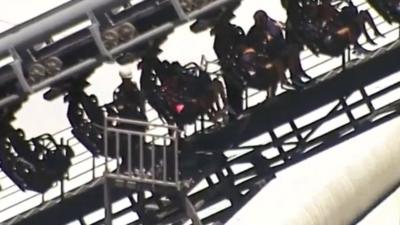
332 30
266 37
266 34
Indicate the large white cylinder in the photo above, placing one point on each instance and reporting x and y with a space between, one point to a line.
333 188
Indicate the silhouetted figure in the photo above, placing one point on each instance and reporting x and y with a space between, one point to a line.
227 39
266 35
128 95
129 102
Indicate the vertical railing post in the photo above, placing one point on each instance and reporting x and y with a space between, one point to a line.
176 139
93 167
105 135
144 162
62 190
107 202
203 62
118 154
129 136
246 98
165 158
64 176
141 152
348 54
153 160
202 123
344 60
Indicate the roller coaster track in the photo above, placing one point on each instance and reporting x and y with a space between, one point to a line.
231 179
18 43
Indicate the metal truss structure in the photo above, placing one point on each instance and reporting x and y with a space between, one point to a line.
221 172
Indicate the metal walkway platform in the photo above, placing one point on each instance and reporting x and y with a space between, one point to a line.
214 175
334 87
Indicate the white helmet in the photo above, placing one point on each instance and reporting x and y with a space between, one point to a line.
125 72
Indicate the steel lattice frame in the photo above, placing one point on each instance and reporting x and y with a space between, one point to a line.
238 187
292 147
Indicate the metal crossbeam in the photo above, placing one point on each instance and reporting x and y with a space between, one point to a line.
251 180
262 169
40 29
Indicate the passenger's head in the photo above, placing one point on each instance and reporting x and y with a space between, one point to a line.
260 17
125 73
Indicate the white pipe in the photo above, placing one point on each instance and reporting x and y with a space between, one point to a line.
333 188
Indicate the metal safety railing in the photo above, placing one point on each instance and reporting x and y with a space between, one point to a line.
96 163
94 171
140 161
143 157
84 170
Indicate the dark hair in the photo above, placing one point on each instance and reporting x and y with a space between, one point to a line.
260 14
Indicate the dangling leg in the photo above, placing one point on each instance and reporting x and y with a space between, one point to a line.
280 74
366 17
233 94
361 25
353 36
219 92
271 90
227 109
295 68
213 116
217 87
222 93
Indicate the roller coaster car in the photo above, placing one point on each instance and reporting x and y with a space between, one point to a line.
180 94
85 130
326 30
388 9
34 164
58 156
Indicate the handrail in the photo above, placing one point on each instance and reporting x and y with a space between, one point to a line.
249 96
